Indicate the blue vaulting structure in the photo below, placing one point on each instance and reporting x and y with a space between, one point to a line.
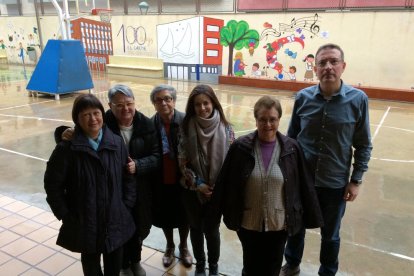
62 69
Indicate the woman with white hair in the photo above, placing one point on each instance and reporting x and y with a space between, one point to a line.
168 210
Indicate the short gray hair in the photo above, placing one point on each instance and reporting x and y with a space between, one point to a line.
267 102
119 88
162 87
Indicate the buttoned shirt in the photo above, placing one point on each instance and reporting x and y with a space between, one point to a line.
330 131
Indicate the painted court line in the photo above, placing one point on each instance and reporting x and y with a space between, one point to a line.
381 122
401 256
25 105
23 154
396 128
393 160
397 255
36 118
100 92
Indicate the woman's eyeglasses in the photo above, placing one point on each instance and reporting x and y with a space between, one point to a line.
166 99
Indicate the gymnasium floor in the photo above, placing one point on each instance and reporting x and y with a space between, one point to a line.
377 229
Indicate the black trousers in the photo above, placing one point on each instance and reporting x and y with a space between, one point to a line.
91 263
132 251
262 251
212 234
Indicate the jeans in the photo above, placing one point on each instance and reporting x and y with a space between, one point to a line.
333 209
262 251
91 263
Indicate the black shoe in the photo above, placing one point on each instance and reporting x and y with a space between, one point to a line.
200 269
288 270
213 270
185 256
168 257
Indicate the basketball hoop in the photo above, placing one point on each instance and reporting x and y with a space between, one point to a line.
104 14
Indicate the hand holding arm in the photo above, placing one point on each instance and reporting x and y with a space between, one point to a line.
67 135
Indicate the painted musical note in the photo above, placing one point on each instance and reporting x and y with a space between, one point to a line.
307 23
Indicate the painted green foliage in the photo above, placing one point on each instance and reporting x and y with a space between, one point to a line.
236 35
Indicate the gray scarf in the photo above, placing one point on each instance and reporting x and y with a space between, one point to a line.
208 143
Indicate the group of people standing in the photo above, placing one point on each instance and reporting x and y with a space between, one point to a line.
116 173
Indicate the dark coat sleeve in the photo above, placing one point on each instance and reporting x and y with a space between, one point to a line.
58 133
223 179
56 176
312 215
228 195
151 162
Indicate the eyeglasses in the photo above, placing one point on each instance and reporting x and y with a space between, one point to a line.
264 121
122 105
333 62
166 99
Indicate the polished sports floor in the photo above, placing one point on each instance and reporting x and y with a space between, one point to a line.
377 231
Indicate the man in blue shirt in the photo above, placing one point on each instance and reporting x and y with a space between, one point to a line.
330 121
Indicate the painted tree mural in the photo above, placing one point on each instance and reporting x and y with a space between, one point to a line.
236 35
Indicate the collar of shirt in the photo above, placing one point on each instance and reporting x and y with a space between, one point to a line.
342 91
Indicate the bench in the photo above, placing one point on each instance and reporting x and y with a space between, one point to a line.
3 56
136 66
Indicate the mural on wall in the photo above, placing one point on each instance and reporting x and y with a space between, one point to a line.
179 41
237 35
135 39
309 67
239 65
18 44
296 31
282 44
96 38
273 48
292 73
190 48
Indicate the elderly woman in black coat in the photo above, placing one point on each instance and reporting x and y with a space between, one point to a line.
168 211
139 135
265 191
89 189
